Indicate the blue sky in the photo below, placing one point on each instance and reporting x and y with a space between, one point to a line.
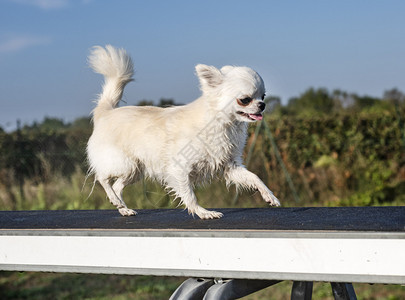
356 46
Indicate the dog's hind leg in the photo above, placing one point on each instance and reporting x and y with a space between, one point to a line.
118 188
115 195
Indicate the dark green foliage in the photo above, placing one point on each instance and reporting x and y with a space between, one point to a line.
39 151
357 159
164 102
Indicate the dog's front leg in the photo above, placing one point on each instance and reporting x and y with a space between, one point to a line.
240 176
183 189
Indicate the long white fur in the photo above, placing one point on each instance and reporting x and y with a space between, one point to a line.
179 146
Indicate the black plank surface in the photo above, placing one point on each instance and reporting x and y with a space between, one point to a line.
377 219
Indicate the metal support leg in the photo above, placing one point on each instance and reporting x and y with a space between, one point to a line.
236 288
302 290
343 291
192 289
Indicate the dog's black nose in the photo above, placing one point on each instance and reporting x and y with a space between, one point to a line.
262 106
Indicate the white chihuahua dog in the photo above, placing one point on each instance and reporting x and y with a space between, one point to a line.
178 146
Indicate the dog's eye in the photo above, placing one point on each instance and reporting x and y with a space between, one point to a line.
245 101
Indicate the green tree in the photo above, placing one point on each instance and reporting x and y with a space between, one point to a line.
166 102
146 103
394 96
313 101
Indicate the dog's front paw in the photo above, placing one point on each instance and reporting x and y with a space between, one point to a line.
206 214
271 199
211 215
125 211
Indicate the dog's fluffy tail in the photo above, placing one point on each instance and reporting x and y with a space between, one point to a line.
117 67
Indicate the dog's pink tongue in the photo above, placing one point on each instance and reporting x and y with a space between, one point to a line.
257 117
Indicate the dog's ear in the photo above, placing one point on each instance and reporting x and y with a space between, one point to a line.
210 77
226 69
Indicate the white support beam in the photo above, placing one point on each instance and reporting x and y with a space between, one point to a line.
276 255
